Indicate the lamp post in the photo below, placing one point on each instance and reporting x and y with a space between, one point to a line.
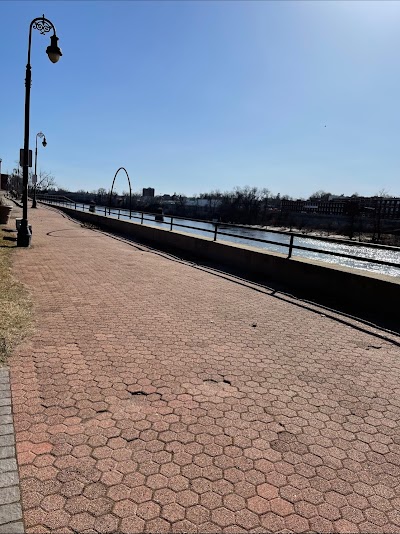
44 143
53 51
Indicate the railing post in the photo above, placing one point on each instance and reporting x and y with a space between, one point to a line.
141 221
105 211
172 222
119 212
215 231
290 246
75 205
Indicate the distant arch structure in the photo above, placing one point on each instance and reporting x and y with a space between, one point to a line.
130 191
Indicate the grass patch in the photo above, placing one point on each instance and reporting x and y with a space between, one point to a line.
15 301
90 226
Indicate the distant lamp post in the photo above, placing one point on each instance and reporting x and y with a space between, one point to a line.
54 52
44 143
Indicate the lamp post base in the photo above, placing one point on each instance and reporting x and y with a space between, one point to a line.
24 234
34 203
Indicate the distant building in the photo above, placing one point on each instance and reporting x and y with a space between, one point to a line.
203 202
148 192
4 182
385 208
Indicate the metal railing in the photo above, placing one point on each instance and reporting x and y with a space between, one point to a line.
216 231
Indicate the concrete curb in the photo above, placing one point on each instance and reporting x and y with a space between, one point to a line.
10 497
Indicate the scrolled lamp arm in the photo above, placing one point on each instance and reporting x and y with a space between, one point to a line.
42 136
44 26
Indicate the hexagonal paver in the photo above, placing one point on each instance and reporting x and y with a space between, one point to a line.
267 491
141 494
247 519
125 508
173 512
100 506
223 517
119 492
187 498
53 502
259 505
272 522
197 514
148 510
82 522
132 524
106 524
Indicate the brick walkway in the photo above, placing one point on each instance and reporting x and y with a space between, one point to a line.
155 397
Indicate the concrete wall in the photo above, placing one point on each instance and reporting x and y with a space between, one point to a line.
371 295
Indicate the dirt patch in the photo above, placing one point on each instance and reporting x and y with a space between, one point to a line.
15 301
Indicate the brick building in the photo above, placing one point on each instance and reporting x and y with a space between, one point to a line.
4 182
385 208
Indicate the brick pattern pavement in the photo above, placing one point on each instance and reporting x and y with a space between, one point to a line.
154 397
10 507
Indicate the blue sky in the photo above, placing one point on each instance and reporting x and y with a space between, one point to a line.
194 96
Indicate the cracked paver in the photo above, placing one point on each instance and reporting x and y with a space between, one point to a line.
146 400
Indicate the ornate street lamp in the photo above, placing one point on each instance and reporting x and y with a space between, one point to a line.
53 51
44 143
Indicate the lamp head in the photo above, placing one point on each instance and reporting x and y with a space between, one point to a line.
44 142
53 50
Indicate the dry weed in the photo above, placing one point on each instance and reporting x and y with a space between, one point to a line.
15 301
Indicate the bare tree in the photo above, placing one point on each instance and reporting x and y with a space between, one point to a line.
15 182
265 195
45 180
214 199
383 193
320 195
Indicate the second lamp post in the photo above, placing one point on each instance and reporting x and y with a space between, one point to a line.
44 143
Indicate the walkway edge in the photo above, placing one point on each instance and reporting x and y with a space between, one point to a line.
10 496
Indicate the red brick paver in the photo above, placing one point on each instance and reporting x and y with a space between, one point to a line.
160 398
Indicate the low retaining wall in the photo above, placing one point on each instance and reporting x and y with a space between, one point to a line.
372 296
